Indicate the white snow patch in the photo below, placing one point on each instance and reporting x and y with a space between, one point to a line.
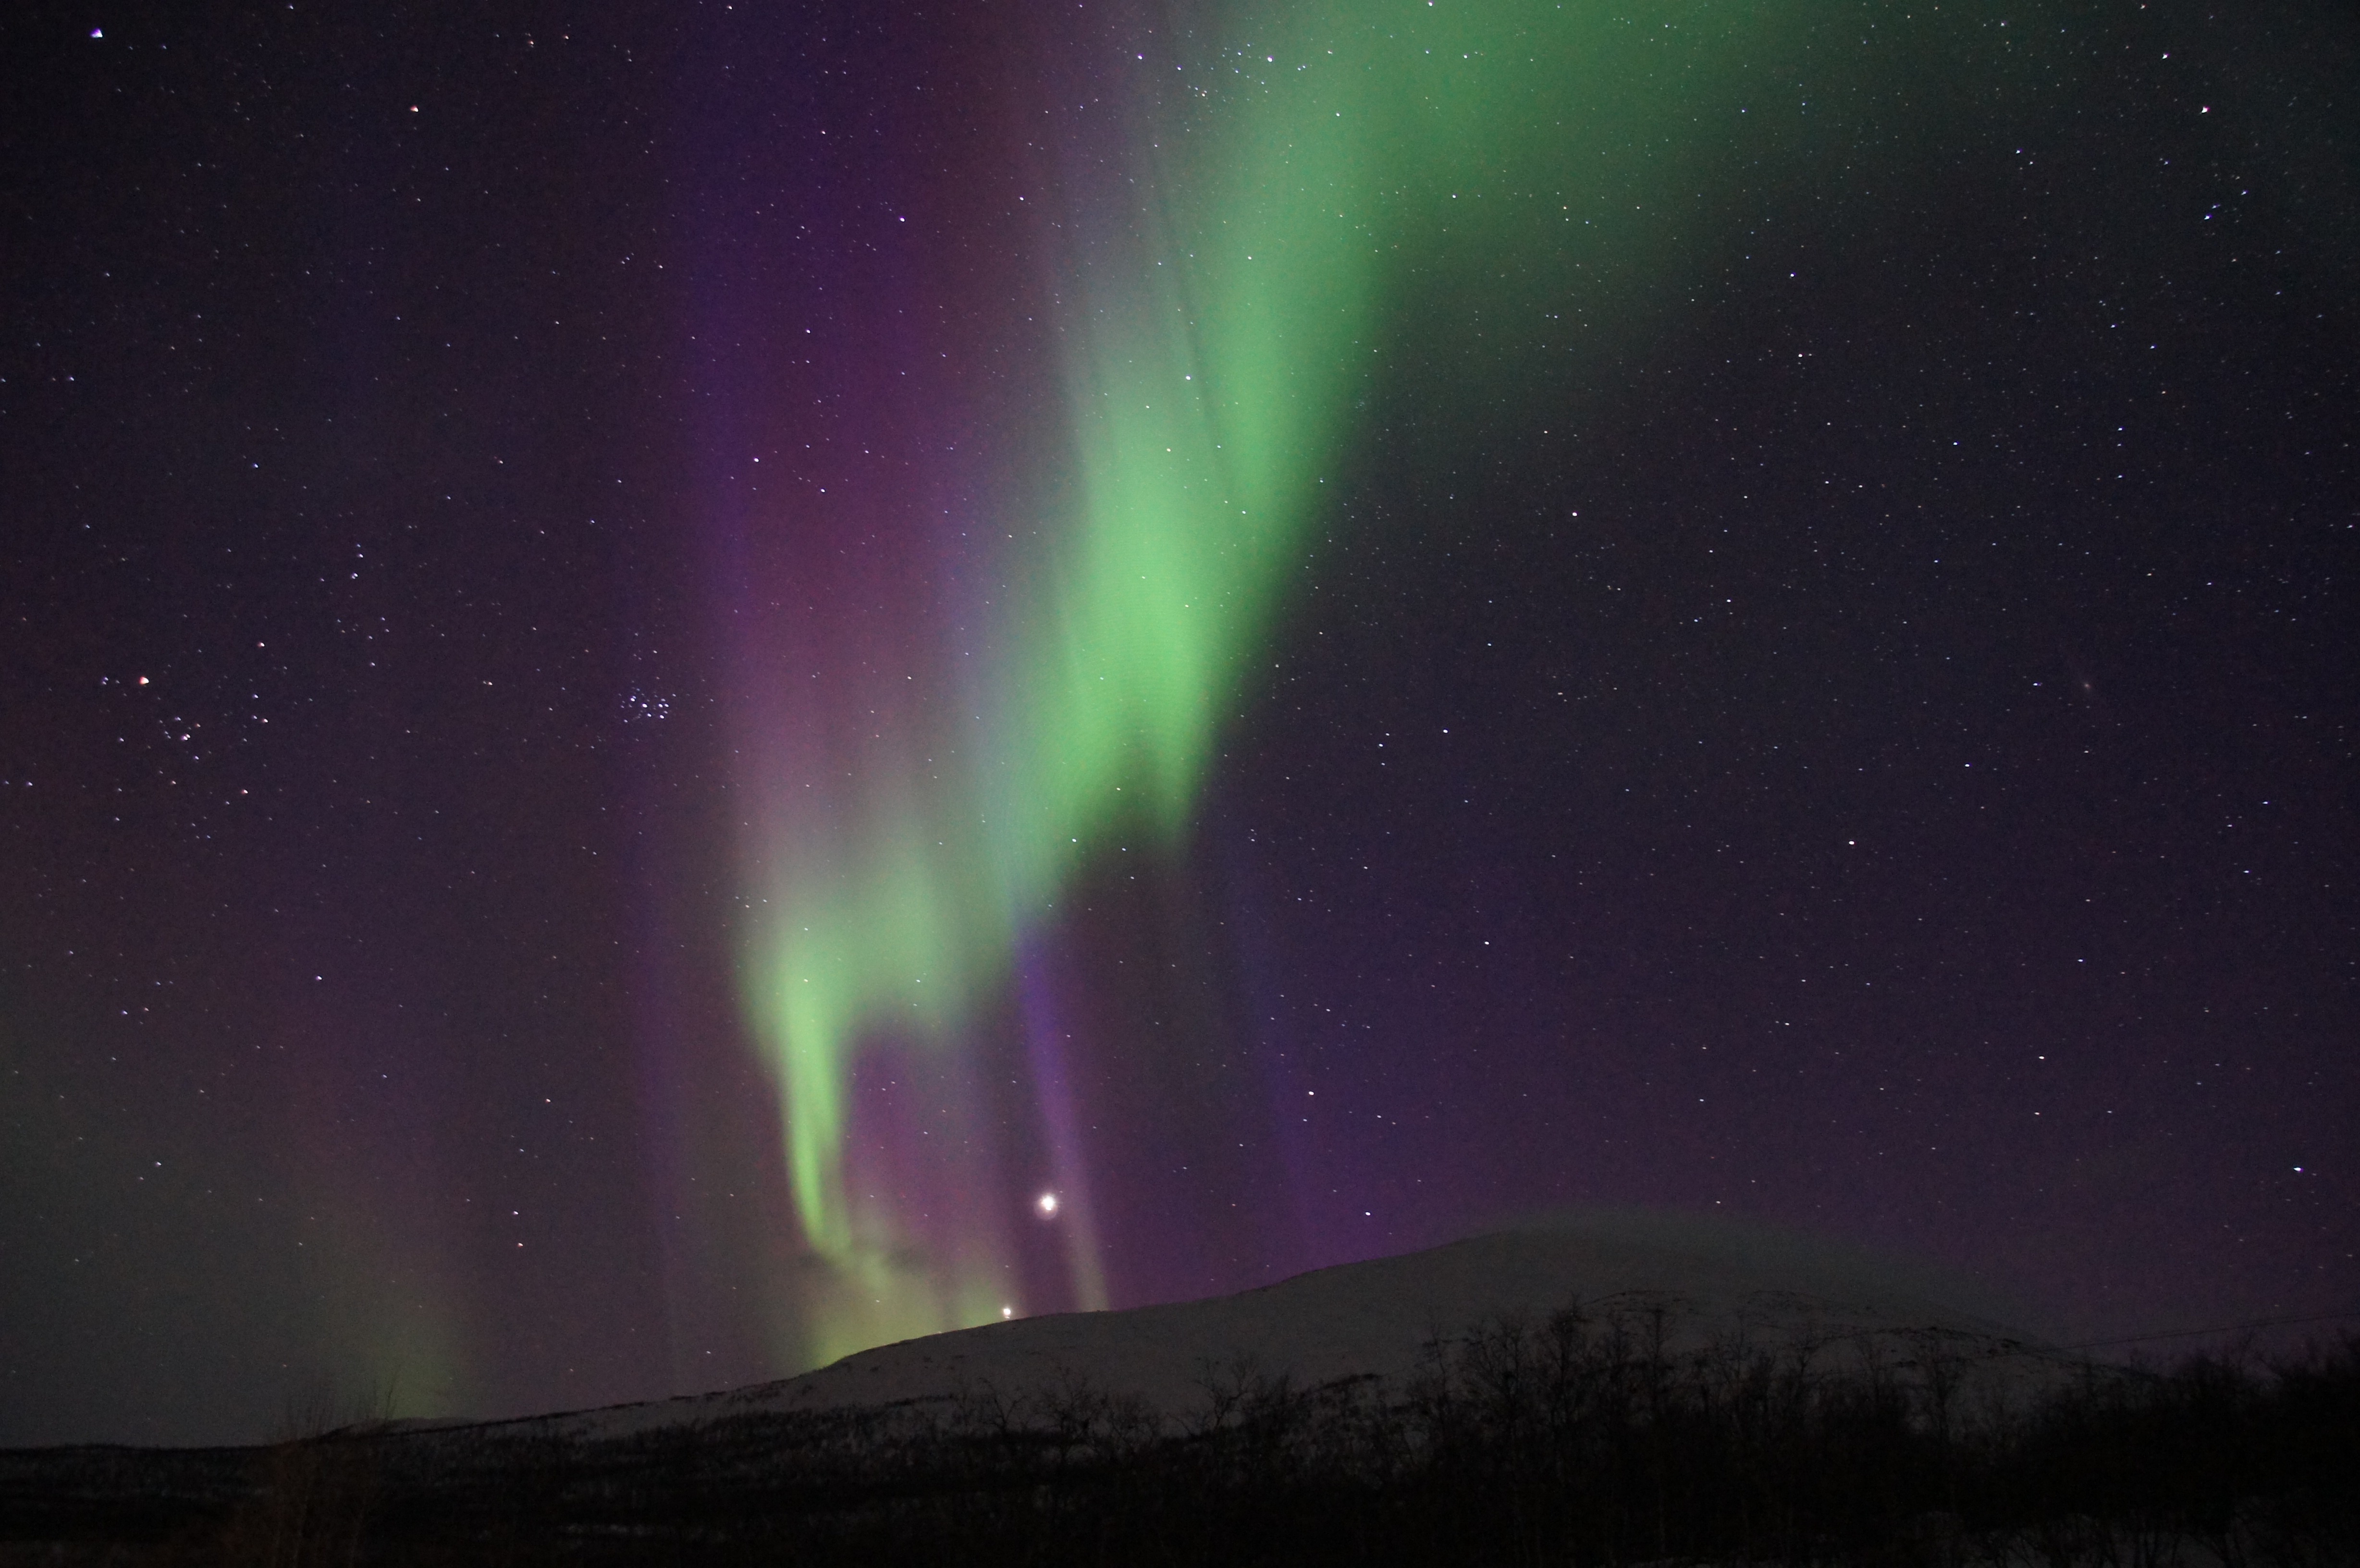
1705 1285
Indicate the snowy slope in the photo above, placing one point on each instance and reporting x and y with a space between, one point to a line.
1708 1285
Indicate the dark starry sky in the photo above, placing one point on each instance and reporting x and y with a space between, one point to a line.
1868 747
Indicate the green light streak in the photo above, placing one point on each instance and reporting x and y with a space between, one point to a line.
1332 173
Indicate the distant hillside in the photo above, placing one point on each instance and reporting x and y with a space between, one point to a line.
1598 1392
1701 1285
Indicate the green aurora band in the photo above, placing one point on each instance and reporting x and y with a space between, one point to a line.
1320 188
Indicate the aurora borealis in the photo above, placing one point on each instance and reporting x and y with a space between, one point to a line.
1222 289
668 662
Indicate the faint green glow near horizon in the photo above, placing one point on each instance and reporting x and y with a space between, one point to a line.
1300 194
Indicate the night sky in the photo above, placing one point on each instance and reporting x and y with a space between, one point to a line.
664 663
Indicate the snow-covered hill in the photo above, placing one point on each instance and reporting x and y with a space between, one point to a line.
1705 1285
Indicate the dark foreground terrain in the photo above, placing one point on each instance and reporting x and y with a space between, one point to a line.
1567 1442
